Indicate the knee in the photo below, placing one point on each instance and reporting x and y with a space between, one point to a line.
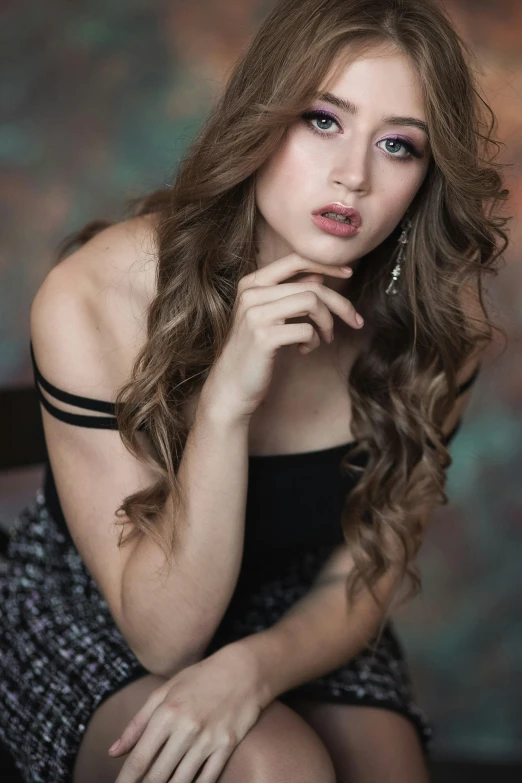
281 746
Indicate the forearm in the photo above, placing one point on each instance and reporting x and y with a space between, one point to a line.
318 634
170 614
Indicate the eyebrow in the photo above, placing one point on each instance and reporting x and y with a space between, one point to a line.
351 108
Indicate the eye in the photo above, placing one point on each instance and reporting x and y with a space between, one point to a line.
395 143
322 116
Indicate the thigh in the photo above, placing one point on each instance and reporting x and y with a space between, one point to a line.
366 744
280 746
105 726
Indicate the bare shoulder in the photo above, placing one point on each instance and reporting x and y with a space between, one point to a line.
87 323
88 318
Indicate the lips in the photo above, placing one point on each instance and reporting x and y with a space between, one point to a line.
340 209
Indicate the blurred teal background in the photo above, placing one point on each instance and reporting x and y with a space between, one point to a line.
99 102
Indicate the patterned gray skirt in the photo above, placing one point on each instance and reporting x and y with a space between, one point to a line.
62 655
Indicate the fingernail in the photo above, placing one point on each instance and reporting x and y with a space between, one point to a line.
115 746
359 319
347 269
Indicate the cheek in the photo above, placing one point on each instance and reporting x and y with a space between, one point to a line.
279 184
390 216
397 193
289 167
267 198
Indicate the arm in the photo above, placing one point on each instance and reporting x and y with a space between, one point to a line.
85 343
318 634
171 617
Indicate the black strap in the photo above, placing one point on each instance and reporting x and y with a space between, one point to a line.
111 423
96 422
72 399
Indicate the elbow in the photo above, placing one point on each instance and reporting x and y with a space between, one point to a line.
167 666
165 641
170 659
166 653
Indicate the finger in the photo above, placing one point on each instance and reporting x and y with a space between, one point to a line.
294 334
133 730
196 759
295 306
144 753
312 277
170 756
333 300
335 303
130 735
214 767
288 266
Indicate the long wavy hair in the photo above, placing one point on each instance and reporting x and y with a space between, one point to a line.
405 385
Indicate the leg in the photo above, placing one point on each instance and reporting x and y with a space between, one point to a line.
367 744
106 724
280 746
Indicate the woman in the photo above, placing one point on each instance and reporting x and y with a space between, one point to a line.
277 459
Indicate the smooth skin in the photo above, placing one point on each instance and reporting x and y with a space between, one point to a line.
357 160
281 746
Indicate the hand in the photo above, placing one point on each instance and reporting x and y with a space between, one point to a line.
240 376
196 718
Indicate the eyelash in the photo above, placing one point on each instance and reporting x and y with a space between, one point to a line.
313 115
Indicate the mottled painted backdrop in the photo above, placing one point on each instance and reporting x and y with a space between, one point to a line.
100 101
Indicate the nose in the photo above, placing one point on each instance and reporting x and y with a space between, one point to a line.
352 168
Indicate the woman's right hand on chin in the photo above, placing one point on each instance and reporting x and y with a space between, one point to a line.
240 376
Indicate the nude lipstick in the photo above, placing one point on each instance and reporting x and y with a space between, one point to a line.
337 227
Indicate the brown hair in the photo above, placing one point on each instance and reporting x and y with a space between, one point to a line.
405 385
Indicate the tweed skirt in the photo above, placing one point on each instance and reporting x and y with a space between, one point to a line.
62 655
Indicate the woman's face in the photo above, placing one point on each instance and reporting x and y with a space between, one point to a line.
358 158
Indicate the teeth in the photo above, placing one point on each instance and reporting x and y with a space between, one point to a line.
335 216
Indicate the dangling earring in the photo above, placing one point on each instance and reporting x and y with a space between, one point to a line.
403 241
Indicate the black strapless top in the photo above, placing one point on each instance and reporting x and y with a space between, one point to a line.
294 501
